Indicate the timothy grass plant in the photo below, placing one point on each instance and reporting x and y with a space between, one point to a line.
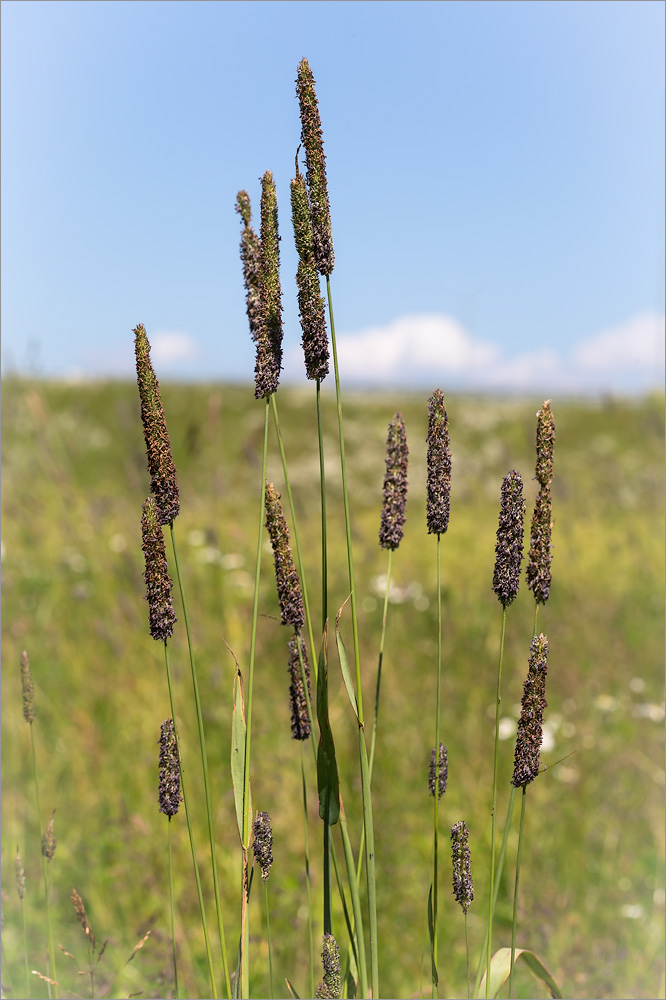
363 787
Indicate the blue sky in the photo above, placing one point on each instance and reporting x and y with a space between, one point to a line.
496 174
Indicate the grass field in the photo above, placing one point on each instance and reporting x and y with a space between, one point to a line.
592 879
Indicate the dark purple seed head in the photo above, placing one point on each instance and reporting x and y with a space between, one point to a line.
392 523
288 584
269 343
438 774
530 725
250 250
545 444
161 617
163 480
463 886
262 844
298 699
312 142
169 774
438 499
540 557
509 546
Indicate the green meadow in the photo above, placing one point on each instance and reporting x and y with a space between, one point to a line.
591 902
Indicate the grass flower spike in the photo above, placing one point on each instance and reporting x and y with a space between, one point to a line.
310 303
20 875
439 466
250 248
28 689
540 556
545 444
463 886
311 139
269 338
49 841
80 910
330 958
530 724
163 481
438 774
169 773
509 546
298 700
395 485
288 585
161 617
262 844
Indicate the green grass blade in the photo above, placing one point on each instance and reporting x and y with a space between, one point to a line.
500 968
344 663
328 782
238 731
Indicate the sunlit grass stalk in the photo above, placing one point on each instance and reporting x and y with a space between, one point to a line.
491 895
527 756
363 750
188 819
173 920
204 766
297 544
28 692
514 919
20 886
506 581
499 868
437 522
438 703
245 837
308 887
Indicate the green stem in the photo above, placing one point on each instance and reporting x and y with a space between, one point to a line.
379 665
268 938
435 834
467 954
356 903
204 765
297 544
322 491
515 890
25 952
365 775
536 617
491 902
183 788
498 876
173 922
52 989
307 859
245 971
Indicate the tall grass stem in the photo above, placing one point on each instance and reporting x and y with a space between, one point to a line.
183 788
491 898
515 890
173 922
204 765
363 750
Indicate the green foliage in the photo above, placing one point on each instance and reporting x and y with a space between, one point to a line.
74 479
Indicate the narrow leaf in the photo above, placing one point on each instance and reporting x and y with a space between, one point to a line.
431 932
500 967
238 730
291 989
328 782
344 662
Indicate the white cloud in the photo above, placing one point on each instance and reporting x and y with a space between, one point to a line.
415 349
172 346
636 344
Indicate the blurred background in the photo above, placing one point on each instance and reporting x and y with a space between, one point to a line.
496 180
